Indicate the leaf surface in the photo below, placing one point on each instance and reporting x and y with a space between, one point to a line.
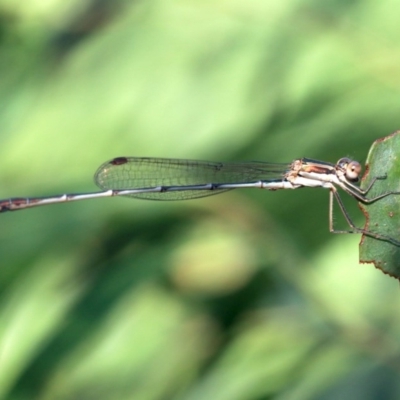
383 216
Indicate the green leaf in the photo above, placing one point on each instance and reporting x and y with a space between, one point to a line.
383 216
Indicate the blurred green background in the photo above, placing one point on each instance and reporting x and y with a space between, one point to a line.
245 295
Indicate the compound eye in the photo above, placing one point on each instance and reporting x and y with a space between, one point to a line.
343 162
353 170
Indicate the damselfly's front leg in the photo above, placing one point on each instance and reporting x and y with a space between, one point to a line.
360 194
363 192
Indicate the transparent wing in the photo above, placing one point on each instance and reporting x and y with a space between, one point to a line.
142 173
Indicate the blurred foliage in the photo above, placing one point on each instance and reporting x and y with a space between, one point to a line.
238 296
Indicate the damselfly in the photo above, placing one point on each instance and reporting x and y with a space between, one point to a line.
175 179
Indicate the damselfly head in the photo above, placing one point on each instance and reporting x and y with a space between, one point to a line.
352 169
